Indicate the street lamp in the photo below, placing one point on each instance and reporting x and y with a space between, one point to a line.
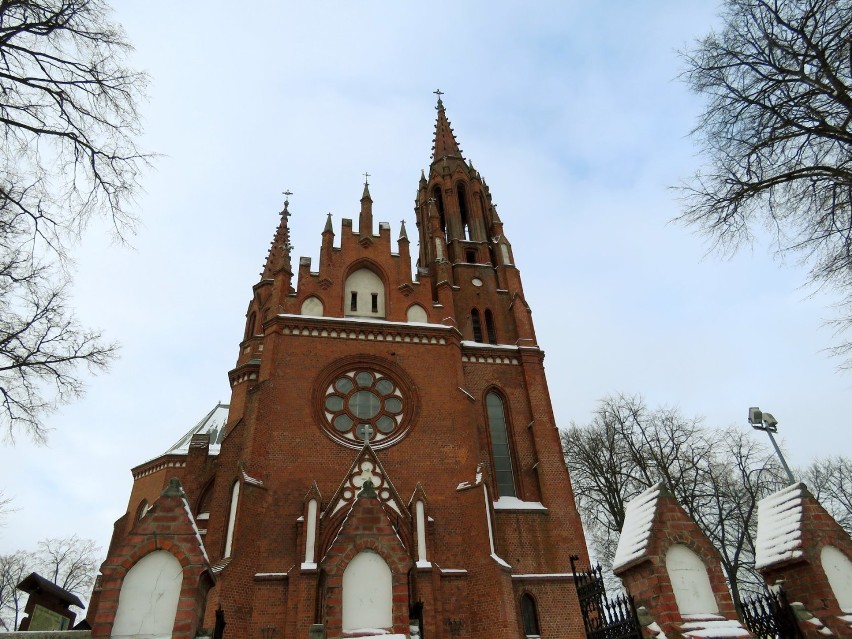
766 422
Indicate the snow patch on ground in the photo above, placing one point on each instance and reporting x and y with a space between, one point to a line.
714 628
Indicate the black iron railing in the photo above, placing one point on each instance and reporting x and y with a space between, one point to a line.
770 616
604 617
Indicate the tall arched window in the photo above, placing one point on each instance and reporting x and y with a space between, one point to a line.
439 204
476 325
500 453
463 211
232 519
489 326
529 616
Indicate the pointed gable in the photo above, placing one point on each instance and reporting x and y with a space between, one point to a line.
366 465
168 526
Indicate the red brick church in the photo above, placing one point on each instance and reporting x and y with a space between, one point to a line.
389 461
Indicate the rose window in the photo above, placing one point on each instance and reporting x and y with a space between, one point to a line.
362 404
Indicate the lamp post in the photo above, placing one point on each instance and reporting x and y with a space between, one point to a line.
766 422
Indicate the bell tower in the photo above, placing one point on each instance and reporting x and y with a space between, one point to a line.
389 461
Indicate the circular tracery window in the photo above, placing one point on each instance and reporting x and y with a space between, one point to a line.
364 404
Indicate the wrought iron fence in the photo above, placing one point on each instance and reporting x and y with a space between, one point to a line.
770 616
604 618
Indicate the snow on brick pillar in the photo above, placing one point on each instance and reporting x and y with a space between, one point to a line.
166 539
803 549
672 570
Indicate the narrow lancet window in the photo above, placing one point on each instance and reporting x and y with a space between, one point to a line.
353 301
374 306
439 204
500 453
463 212
232 519
529 616
476 325
252 320
489 326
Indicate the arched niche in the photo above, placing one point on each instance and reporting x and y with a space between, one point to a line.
313 306
148 601
417 313
690 581
364 294
838 570
367 593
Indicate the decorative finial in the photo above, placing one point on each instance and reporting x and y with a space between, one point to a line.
286 195
365 432
366 179
439 93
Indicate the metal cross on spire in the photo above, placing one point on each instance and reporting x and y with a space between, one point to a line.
366 178
439 93
286 195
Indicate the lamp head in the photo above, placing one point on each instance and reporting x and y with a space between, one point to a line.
755 417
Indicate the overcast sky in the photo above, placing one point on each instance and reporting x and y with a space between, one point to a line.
573 114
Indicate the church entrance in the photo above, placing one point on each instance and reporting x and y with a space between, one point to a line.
367 593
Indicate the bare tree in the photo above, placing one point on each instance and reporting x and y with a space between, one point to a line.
777 134
717 476
68 122
69 562
13 569
830 481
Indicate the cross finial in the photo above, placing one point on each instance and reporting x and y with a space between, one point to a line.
439 93
365 431
366 178
286 195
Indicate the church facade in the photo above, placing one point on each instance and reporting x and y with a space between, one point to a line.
388 462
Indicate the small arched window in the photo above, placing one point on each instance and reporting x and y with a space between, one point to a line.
529 616
489 326
313 306
838 569
142 510
232 519
500 452
476 325
690 582
417 313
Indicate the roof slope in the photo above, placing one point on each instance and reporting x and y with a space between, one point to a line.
213 424
779 526
638 517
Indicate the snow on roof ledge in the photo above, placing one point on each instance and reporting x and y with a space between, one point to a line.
638 517
779 526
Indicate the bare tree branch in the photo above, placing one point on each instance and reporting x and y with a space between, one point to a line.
68 123
777 135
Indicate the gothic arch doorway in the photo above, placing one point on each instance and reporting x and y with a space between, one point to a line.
367 593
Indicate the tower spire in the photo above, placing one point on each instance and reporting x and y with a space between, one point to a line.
278 257
445 144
